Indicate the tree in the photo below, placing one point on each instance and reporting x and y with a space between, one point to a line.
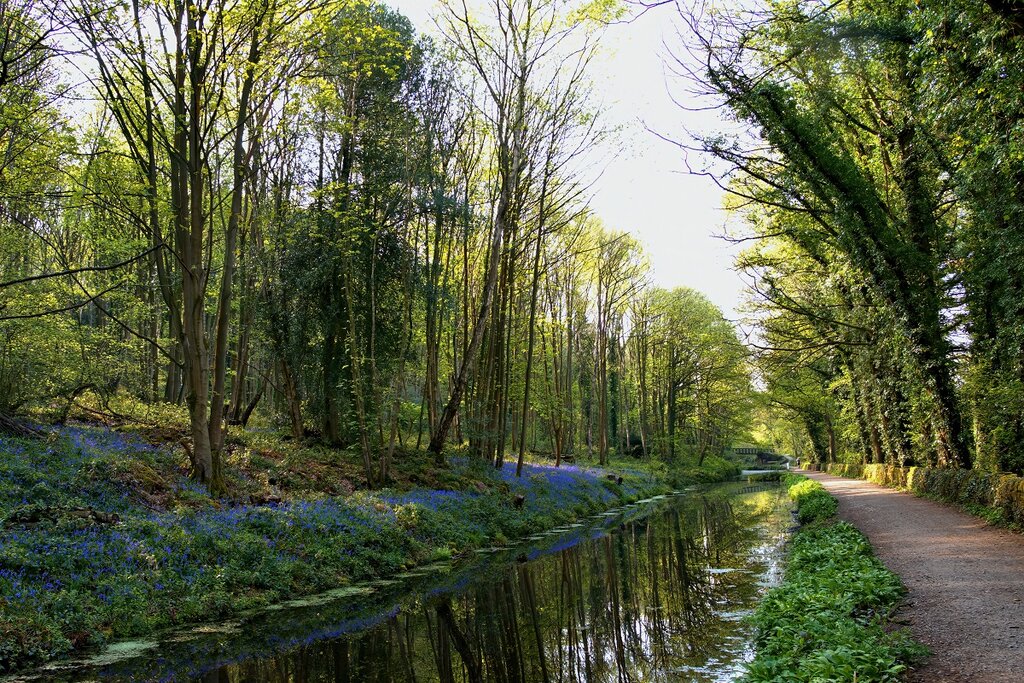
851 175
174 111
520 52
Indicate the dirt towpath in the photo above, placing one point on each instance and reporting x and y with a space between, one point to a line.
966 580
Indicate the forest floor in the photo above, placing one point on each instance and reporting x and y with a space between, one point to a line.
965 580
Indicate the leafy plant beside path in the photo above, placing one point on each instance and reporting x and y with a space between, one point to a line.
828 621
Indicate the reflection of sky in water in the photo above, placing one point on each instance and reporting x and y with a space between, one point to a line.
659 596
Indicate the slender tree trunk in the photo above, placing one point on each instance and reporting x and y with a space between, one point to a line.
357 382
291 393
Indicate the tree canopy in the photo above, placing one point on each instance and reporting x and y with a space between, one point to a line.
306 215
881 191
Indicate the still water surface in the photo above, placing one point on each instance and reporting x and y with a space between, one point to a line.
652 592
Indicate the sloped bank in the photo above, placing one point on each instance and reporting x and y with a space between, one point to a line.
69 581
828 620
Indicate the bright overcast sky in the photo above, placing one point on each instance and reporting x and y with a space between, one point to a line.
645 189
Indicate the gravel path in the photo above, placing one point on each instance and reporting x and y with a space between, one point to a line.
966 580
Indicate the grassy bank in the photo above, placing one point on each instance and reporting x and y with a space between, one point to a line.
104 536
828 621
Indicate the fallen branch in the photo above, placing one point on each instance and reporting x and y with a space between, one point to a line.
14 427
34 515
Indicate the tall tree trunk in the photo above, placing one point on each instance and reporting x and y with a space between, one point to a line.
291 393
444 423
532 323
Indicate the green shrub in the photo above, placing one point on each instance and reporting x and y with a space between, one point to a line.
28 638
713 469
827 621
813 502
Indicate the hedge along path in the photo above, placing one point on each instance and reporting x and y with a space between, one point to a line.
965 580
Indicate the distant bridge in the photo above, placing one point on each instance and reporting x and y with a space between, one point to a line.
762 455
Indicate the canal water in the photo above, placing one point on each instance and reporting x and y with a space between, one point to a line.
656 591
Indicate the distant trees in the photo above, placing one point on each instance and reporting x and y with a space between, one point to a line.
41 257
883 207
694 374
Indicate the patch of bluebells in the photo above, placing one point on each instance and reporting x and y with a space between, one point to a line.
431 499
568 484
550 495
70 468
61 581
94 442
190 485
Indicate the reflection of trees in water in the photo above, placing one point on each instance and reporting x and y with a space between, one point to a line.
637 605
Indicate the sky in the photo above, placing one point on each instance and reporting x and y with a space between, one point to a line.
645 188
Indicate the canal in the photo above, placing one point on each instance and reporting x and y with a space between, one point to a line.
655 591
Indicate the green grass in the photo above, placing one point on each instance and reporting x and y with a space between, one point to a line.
828 621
